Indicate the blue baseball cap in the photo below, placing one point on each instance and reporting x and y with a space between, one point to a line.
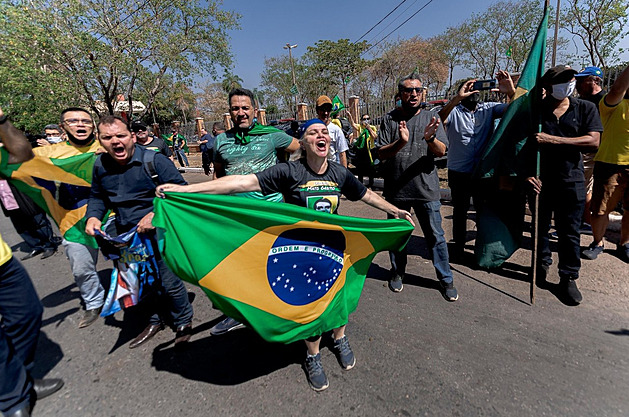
595 71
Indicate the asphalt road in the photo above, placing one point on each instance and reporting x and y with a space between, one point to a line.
490 353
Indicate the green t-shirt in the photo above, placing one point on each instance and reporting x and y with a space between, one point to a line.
256 155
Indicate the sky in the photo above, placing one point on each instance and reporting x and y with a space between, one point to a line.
267 26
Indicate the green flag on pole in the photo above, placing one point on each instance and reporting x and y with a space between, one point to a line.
294 90
337 106
501 208
288 272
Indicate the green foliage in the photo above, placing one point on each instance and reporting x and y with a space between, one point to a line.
231 81
89 52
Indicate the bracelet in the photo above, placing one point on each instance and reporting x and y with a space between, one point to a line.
432 139
3 118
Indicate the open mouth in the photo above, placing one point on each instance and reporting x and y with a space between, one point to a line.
119 150
321 145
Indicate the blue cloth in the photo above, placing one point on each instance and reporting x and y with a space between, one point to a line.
128 189
210 142
21 313
467 133
429 218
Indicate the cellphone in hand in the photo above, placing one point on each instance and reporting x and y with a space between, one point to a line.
484 85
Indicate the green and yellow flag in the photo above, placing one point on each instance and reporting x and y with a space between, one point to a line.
288 272
58 180
500 210
337 106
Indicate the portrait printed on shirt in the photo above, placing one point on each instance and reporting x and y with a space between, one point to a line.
321 195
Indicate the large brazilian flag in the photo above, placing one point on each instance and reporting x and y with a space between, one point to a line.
506 156
58 179
288 272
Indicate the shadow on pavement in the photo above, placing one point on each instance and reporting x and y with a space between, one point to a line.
61 296
621 332
47 356
229 359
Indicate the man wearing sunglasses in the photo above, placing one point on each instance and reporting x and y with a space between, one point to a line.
409 140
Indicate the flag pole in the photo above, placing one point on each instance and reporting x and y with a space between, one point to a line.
556 31
535 213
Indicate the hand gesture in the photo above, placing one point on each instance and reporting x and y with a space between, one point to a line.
505 83
466 90
403 131
431 128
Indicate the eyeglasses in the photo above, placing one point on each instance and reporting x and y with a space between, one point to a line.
411 89
365 118
74 122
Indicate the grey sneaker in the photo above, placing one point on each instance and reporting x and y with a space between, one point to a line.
593 251
314 370
344 353
449 292
225 326
395 283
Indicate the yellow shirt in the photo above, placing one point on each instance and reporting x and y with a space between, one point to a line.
5 252
614 148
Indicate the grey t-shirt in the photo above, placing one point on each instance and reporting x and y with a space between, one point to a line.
411 174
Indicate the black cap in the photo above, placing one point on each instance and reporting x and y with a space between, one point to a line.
558 74
138 126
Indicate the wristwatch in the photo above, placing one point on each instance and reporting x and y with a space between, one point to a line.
432 139
3 118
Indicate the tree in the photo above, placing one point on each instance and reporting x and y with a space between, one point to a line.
103 49
600 25
333 64
212 102
231 81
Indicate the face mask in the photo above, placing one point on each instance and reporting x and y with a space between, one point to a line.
54 139
561 91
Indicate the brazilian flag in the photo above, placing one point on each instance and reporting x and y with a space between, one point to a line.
288 272
58 180
500 210
337 106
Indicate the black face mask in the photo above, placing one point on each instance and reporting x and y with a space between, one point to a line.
471 102
78 142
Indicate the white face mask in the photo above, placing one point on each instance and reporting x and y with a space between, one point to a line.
54 139
561 91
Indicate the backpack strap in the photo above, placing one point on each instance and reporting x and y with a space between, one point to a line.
148 161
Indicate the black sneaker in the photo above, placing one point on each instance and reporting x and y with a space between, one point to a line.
344 353
449 292
225 326
592 251
395 283
314 370
623 252
572 292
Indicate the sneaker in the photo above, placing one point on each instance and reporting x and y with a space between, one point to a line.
571 290
395 283
449 292
314 370
585 229
89 317
344 353
225 326
623 252
592 251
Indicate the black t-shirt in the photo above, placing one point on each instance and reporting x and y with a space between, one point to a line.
596 98
301 186
157 145
563 163
411 174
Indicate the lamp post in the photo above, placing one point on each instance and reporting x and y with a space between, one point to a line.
292 68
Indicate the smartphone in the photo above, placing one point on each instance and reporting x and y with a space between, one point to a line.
484 85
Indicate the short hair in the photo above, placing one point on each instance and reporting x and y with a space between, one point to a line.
241 92
52 127
69 109
411 76
110 120
218 126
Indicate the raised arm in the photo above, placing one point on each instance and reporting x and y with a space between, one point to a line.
618 89
230 184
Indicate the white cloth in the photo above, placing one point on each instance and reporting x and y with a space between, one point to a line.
338 143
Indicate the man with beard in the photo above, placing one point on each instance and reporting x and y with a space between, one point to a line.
78 126
469 123
409 140
247 148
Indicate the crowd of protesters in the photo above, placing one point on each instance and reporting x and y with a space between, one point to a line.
584 154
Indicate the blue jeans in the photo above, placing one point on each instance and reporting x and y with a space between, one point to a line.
21 313
182 158
83 263
429 217
171 304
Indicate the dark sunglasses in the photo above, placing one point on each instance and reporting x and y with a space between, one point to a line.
411 89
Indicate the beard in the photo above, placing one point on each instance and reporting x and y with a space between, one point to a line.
79 142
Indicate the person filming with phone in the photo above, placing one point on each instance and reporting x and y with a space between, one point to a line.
469 123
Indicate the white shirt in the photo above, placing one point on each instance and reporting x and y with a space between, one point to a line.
338 143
